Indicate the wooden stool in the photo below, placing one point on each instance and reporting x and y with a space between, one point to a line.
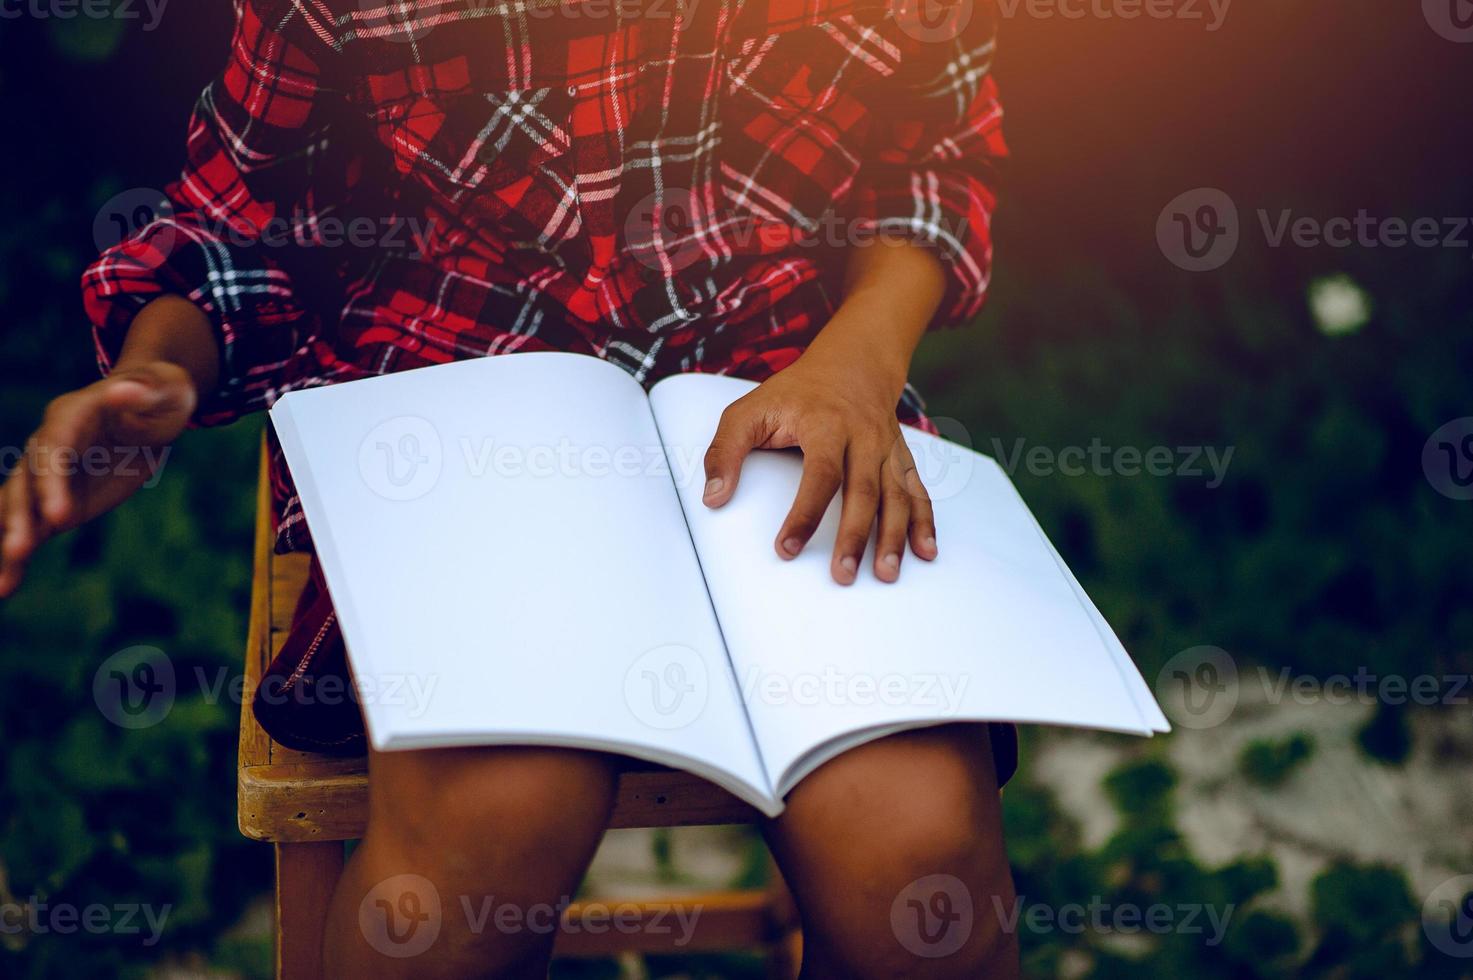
308 805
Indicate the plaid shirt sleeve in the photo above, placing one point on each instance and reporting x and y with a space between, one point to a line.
932 176
228 233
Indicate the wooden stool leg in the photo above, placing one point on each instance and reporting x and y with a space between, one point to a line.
305 877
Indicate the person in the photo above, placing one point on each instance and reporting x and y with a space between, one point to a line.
788 192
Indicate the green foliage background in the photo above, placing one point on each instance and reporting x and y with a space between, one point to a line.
1325 548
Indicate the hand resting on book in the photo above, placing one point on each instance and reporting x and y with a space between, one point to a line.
842 416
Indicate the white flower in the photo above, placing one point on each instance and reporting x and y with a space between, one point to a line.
1339 305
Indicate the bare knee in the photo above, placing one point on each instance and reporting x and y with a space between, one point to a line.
485 846
896 857
471 805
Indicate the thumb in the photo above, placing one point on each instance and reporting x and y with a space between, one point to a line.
740 430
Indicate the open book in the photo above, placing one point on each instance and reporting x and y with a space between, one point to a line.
518 553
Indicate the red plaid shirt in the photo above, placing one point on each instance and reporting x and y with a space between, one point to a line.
375 185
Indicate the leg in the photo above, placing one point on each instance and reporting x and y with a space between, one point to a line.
894 852
468 853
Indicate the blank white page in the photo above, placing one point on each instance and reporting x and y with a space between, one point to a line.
505 532
992 630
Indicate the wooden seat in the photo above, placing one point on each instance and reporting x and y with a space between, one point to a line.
308 805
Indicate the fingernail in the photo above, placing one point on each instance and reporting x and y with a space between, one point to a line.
714 485
849 564
930 544
892 562
792 546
